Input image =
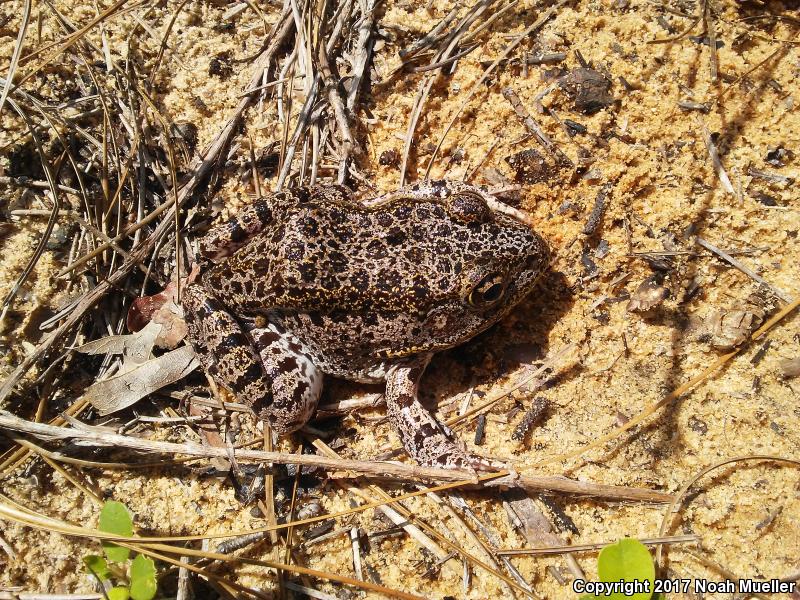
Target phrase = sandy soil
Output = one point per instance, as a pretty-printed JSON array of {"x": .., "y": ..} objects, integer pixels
[{"x": 663, "y": 190}]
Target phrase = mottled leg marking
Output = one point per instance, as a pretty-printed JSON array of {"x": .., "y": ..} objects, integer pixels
[
  {"x": 223, "y": 347},
  {"x": 296, "y": 382},
  {"x": 428, "y": 441}
]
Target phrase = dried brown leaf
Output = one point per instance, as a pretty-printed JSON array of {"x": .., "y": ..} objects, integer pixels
[{"x": 131, "y": 386}]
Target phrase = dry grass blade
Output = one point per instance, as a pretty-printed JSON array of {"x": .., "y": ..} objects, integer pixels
[
  {"x": 567, "y": 549},
  {"x": 12, "y": 68},
  {"x": 14, "y": 513},
  {"x": 549, "y": 14},
  {"x": 50, "y": 176},
  {"x": 450, "y": 44},
  {"x": 671, "y": 511},
  {"x": 140, "y": 252},
  {"x": 416, "y": 521},
  {"x": 71, "y": 41},
  {"x": 711, "y": 33},
  {"x": 163, "y": 46},
  {"x": 742, "y": 267}
]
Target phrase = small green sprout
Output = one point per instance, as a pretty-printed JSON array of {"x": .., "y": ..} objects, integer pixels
[
  {"x": 121, "y": 579},
  {"x": 627, "y": 560}
]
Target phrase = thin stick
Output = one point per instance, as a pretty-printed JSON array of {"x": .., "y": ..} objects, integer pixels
[
  {"x": 71, "y": 40},
  {"x": 712, "y": 40},
  {"x": 743, "y": 268},
  {"x": 567, "y": 549},
  {"x": 715, "y": 159},
  {"x": 376, "y": 468}
]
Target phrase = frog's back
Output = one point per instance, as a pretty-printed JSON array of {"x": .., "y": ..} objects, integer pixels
[{"x": 324, "y": 254}]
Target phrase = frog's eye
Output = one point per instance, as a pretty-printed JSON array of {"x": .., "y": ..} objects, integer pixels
[{"x": 489, "y": 290}]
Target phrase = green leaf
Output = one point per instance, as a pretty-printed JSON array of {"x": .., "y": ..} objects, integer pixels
[
  {"x": 629, "y": 560},
  {"x": 143, "y": 578},
  {"x": 97, "y": 566},
  {"x": 118, "y": 593},
  {"x": 115, "y": 518}
]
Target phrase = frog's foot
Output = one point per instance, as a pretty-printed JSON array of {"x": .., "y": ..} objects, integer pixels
[
  {"x": 425, "y": 439},
  {"x": 296, "y": 382}
]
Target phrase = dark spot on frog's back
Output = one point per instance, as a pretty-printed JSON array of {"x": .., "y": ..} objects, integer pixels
[
  {"x": 288, "y": 364},
  {"x": 302, "y": 195},
  {"x": 403, "y": 212},
  {"x": 299, "y": 390},
  {"x": 254, "y": 372},
  {"x": 343, "y": 234},
  {"x": 421, "y": 289},
  {"x": 415, "y": 255},
  {"x": 338, "y": 261},
  {"x": 308, "y": 272},
  {"x": 360, "y": 280},
  {"x": 388, "y": 282},
  {"x": 423, "y": 213},
  {"x": 232, "y": 340},
  {"x": 277, "y": 234},
  {"x": 376, "y": 249},
  {"x": 261, "y": 266},
  {"x": 309, "y": 226},
  {"x": 236, "y": 232},
  {"x": 384, "y": 219},
  {"x": 440, "y": 188},
  {"x": 263, "y": 212},
  {"x": 337, "y": 215},
  {"x": 329, "y": 283},
  {"x": 395, "y": 236},
  {"x": 443, "y": 247},
  {"x": 267, "y": 338},
  {"x": 295, "y": 250}
]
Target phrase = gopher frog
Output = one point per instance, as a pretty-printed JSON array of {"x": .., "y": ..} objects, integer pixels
[{"x": 307, "y": 282}]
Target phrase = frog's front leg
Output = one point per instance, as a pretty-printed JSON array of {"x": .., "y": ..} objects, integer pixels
[
  {"x": 428, "y": 441},
  {"x": 263, "y": 368}
]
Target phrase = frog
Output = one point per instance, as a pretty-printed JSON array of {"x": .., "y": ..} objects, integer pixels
[{"x": 309, "y": 282}]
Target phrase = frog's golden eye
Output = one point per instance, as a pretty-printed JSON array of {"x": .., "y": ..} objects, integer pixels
[{"x": 489, "y": 290}]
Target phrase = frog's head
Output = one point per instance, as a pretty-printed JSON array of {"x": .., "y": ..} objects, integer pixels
[{"x": 485, "y": 259}]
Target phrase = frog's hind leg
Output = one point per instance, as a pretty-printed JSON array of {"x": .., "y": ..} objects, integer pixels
[
  {"x": 296, "y": 382},
  {"x": 428, "y": 441},
  {"x": 224, "y": 348}
]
